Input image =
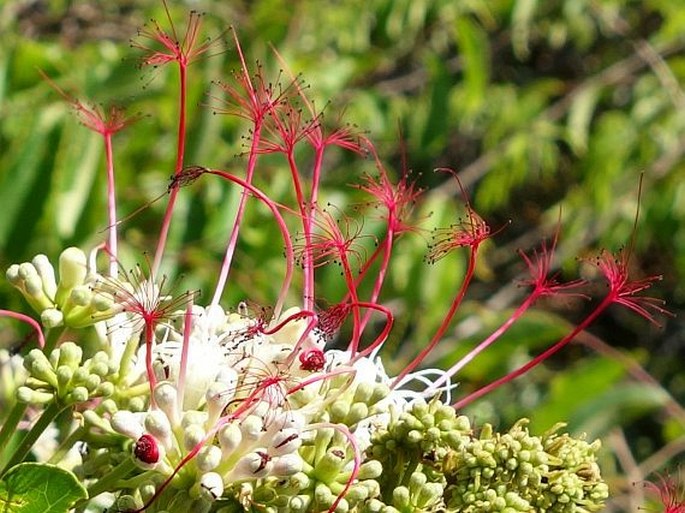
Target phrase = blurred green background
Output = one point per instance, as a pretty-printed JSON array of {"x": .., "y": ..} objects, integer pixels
[{"x": 540, "y": 106}]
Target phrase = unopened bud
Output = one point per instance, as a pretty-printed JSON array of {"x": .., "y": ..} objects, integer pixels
[
  {"x": 287, "y": 465},
  {"x": 212, "y": 485},
  {"x": 157, "y": 424},
  {"x": 127, "y": 423},
  {"x": 46, "y": 273},
  {"x": 208, "y": 458},
  {"x": 51, "y": 318}
]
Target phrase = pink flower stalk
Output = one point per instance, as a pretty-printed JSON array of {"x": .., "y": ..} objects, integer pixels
[
  {"x": 337, "y": 242},
  {"x": 670, "y": 493},
  {"x": 162, "y": 47},
  {"x": 470, "y": 232},
  {"x": 622, "y": 291},
  {"x": 397, "y": 201},
  {"x": 542, "y": 283},
  {"x": 105, "y": 122},
  {"x": 251, "y": 98},
  {"x": 28, "y": 320}
]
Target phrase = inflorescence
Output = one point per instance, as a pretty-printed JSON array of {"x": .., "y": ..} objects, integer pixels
[{"x": 195, "y": 408}]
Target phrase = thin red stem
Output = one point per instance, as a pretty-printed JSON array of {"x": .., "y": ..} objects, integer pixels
[
  {"x": 289, "y": 255},
  {"x": 235, "y": 230},
  {"x": 28, "y": 320},
  {"x": 446, "y": 321},
  {"x": 180, "y": 152},
  {"x": 608, "y": 300},
  {"x": 487, "y": 342},
  {"x": 383, "y": 336}
]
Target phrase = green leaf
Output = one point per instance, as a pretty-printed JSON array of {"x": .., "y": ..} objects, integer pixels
[{"x": 39, "y": 488}]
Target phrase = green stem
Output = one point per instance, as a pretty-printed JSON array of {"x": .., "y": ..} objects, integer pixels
[
  {"x": 67, "y": 444},
  {"x": 10, "y": 425},
  {"x": 106, "y": 483},
  {"x": 30, "y": 438},
  {"x": 52, "y": 339},
  {"x": 9, "y": 428}
]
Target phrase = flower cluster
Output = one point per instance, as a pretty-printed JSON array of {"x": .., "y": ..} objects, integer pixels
[{"x": 180, "y": 407}]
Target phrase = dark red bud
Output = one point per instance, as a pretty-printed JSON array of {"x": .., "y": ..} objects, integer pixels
[{"x": 146, "y": 449}]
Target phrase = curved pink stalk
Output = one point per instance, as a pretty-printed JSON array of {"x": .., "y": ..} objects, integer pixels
[
  {"x": 446, "y": 320},
  {"x": 28, "y": 320},
  {"x": 111, "y": 208},
  {"x": 178, "y": 168},
  {"x": 383, "y": 335},
  {"x": 543, "y": 283},
  {"x": 235, "y": 230},
  {"x": 356, "y": 456},
  {"x": 608, "y": 300},
  {"x": 622, "y": 291},
  {"x": 289, "y": 254}
]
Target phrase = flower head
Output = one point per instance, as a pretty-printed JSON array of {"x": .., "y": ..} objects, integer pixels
[
  {"x": 623, "y": 290},
  {"x": 670, "y": 493},
  {"x": 168, "y": 46}
]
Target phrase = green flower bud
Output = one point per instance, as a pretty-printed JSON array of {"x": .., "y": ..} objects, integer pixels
[
  {"x": 51, "y": 318},
  {"x": 46, "y": 273},
  {"x": 428, "y": 495},
  {"x": 300, "y": 503},
  {"x": 92, "y": 382},
  {"x": 70, "y": 354},
  {"x": 358, "y": 411},
  {"x": 77, "y": 395},
  {"x": 339, "y": 411},
  {"x": 102, "y": 303},
  {"x": 104, "y": 389},
  {"x": 370, "y": 470},
  {"x": 73, "y": 268},
  {"x": 29, "y": 396},
  {"x": 330, "y": 465},
  {"x": 136, "y": 404},
  {"x": 363, "y": 392},
  {"x": 40, "y": 368},
  {"x": 323, "y": 496},
  {"x": 64, "y": 375},
  {"x": 401, "y": 498},
  {"x": 81, "y": 295}
]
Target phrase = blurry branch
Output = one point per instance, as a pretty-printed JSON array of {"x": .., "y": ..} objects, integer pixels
[
  {"x": 633, "y": 473},
  {"x": 659, "y": 459}
]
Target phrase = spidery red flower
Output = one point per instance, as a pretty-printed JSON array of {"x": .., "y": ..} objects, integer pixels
[{"x": 671, "y": 493}]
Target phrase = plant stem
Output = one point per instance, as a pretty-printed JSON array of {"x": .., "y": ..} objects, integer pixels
[
  {"x": 107, "y": 482},
  {"x": 67, "y": 444},
  {"x": 18, "y": 410},
  {"x": 48, "y": 415},
  {"x": 111, "y": 207}
]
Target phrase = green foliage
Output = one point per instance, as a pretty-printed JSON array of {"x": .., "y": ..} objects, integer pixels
[{"x": 39, "y": 488}]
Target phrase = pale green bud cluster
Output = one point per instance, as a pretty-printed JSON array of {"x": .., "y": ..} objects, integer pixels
[
  {"x": 521, "y": 472},
  {"x": 64, "y": 376},
  {"x": 438, "y": 463},
  {"x": 71, "y": 301}
]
